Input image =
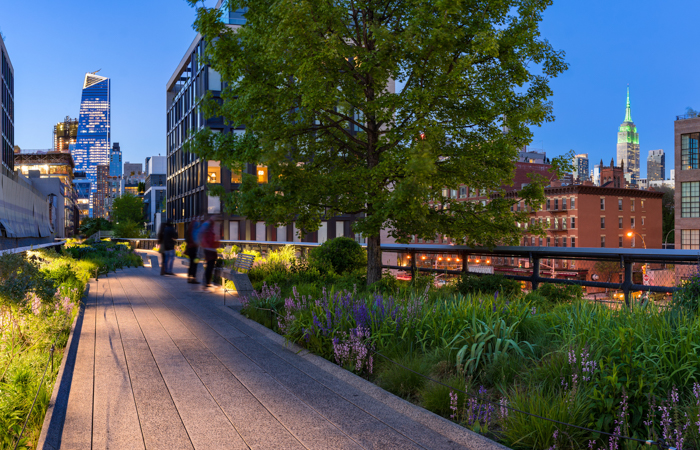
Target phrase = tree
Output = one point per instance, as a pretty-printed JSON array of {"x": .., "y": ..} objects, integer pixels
[
  {"x": 312, "y": 82},
  {"x": 141, "y": 187},
  {"x": 127, "y": 208},
  {"x": 90, "y": 226},
  {"x": 668, "y": 218}
]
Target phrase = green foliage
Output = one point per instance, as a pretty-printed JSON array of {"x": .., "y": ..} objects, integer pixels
[
  {"x": 90, "y": 226},
  {"x": 341, "y": 255},
  {"x": 488, "y": 284},
  {"x": 127, "y": 208},
  {"x": 21, "y": 276},
  {"x": 336, "y": 139},
  {"x": 688, "y": 297},
  {"x": 560, "y": 293},
  {"x": 400, "y": 381},
  {"x": 127, "y": 229}
]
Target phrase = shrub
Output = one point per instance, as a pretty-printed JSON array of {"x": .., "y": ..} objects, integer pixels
[
  {"x": 688, "y": 297},
  {"x": 341, "y": 254},
  {"x": 488, "y": 284},
  {"x": 402, "y": 382},
  {"x": 560, "y": 293}
]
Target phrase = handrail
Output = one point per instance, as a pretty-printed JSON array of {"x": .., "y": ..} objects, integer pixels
[{"x": 31, "y": 247}]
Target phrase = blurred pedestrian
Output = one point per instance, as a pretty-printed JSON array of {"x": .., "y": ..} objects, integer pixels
[
  {"x": 192, "y": 250},
  {"x": 166, "y": 240},
  {"x": 209, "y": 241}
]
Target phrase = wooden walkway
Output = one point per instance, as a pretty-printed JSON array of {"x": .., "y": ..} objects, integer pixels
[{"x": 157, "y": 364}]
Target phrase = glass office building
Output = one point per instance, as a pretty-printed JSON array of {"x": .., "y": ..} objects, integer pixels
[
  {"x": 93, "y": 146},
  {"x": 7, "y": 111}
]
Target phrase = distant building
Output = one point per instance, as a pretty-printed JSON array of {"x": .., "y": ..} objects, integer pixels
[
  {"x": 93, "y": 142},
  {"x": 628, "y": 144},
  {"x": 581, "y": 167},
  {"x": 101, "y": 208},
  {"x": 595, "y": 174},
  {"x": 145, "y": 165},
  {"x": 642, "y": 183},
  {"x": 656, "y": 165},
  {"x": 132, "y": 169},
  {"x": 687, "y": 181},
  {"x": 532, "y": 156},
  {"x": 7, "y": 112},
  {"x": 612, "y": 176},
  {"x": 82, "y": 187},
  {"x": 50, "y": 164},
  {"x": 65, "y": 134},
  {"x": 115, "y": 161}
]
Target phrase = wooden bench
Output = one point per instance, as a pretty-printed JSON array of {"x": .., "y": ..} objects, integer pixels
[{"x": 240, "y": 279}]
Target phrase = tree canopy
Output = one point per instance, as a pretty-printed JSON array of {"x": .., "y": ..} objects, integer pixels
[
  {"x": 372, "y": 108},
  {"x": 127, "y": 208}
]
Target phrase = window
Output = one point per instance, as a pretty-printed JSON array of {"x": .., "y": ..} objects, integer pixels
[
  {"x": 541, "y": 242},
  {"x": 619, "y": 204},
  {"x": 619, "y": 222},
  {"x": 643, "y": 221},
  {"x": 632, "y": 222},
  {"x": 548, "y": 241},
  {"x": 632, "y": 205},
  {"x": 573, "y": 222},
  {"x": 235, "y": 176},
  {"x": 563, "y": 242},
  {"x": 563, "y": 203},
  {"x": 643, "y": 202},
  {"x": 602, "y": 241},
  {"x": 573, "y": 241},
  {"x": 563, "y": 223},
  {"x": 690, "y": 199},
  {"x": 689, "y": 151},
  {"x": 213, "y": 172},
  {"x": 262, "y": 174},
  {"x": 602, "y": 222},
  {"x": 532, "y": 241},
  {"x": 573, "y": 204},
  {"x": 446, "y": 193},
  {"x": 453, "y": 194},
  {"x": 690, "y": 239},
  {"x": 556, "y": 223},
  {"x": 462, "y": 191},
  {"x": 214, "y": 80},
  {"x": 620, "y": 242},
  {"x": 602, "y": 204},
  {"x": 556, "y": 242},
  {"x": 556, "y": 204},
  {"x": 548, "y": 204}
]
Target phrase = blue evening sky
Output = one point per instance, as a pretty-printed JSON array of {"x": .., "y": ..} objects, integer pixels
[{"x": 647, "y": 43}]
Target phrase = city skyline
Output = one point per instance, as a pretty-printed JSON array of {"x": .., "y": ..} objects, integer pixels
[{"x": 591, "y": 93}]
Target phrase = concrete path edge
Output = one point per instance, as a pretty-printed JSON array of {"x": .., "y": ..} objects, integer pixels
[
  {"x": 421, "y": 415},
  {"x": 52, "y": 427}
]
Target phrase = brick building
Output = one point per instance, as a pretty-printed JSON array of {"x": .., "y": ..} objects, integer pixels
[{"x": 687, "y": 171}]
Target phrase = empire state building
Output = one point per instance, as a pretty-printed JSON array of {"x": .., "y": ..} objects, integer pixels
[{"x": 628, "y": 144}]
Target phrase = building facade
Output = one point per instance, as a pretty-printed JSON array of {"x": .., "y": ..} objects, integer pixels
[
  {"x": 581, "y": 167},
  {"x": 7, "y": 111},
  {"x": 628, "y": 144},
  {"x": 49, "y": 164},
  {"x": 131, "y": 169},
  {"x": 687, "y": 182},
  {"x": 656, "y": 165},
  {"x": 115, "y": 161},
  {"x": 65, "y": 134},
  {"x": 93, "y": 142}
]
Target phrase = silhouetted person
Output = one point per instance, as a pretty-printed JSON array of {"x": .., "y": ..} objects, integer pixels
[
  {"x": 192, "y": 250},
  {"x": 166, "y": 239},
  {"x": 209, "y": 241}
]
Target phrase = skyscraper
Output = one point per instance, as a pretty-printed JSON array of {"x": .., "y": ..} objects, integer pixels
[
  {"x": 7, "y": 111},
  {"x": 628, "y": 144},
  {"x": 115, "y": 161},
  {"x": 581, "y": 167},
  {"x": 65, "y": 134},
  {"x": 656, "y": 165},
  {"x": 93, "y": 142}
]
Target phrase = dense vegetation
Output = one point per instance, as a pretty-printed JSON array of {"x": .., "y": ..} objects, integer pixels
[
  {"x": 632, "y": 372},
  {"x": 40, "y": 294}
]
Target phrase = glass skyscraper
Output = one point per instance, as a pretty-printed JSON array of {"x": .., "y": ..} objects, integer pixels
[{"x": 93, "y": 143}]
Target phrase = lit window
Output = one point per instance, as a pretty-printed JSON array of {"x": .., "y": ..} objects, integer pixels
[
  {"x": 689, "y": 151},
  {"x": 690, "y": 199},
  {"x": 262, "y": 174},
  {"x": 213, "y": 172},
  {"x": 690, "y": 239}
]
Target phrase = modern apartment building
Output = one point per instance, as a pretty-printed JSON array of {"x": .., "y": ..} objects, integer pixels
[
  {"x": 687, "y": 174},
  {"x": 65, "y": 134},
  {"x": 93, "y": 142},
  {"x": 628, "y": 145},
  {"x": 656, "y": 165},
  {"x": 581, "y": 167},
  {"x": 7, "y": 112}
]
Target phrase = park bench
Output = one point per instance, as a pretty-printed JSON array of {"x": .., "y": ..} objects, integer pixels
[{"x": 240, "y": 279}]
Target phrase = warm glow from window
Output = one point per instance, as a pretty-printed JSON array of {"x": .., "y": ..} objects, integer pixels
[
  {"x": 262, "y": 174},
  {"x": 213, "y": 172}
]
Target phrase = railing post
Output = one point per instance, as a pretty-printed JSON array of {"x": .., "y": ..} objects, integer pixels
[
  {"x": 464, "y": 256},
  {"x": 627, "y": 281},
  {"x": 413, "y": 265},
  {"x": 535, "y": 272}
]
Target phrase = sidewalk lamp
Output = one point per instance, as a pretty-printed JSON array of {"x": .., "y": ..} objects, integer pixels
[
  {"x": 666, "y": 238},
  {"x": 632, "y": 233}
]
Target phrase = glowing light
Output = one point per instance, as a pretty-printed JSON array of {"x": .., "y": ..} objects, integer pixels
[
  {"x": 408, "y": 257},
  {"x": 457, "y": 259},
  {"x": 488, "y": 261},
  {"x": 477, "y": 261},
  {"x": 422, "y": 257},
  {"x": 449, "y": 259},
  {"x": 629, "y": 234},
  {"x": 440, "y": 258}
]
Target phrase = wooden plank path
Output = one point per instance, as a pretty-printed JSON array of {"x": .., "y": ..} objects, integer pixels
[{"x": 156, "y": 363}]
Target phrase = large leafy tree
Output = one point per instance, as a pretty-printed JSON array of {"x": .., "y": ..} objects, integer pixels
[
  {"x": 127, "y": 208},
  {"x": 313, "y": 83}
]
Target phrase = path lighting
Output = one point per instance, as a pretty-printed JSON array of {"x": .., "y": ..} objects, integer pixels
[
  {"x": 449, "y": 259},
  {"x": 477, "y": 261},
  {"x": 488, "y": 261},
  {"x": 408, "y": 257},
  {"x": 422, "y": 257},
  {"x": 457, "y": 260},
  {"x": 440, "y": 258}
]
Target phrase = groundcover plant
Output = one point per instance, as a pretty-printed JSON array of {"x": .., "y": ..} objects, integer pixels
[
  {"x": 40, "y": 295},
  {"x": 631, "y": 372}
]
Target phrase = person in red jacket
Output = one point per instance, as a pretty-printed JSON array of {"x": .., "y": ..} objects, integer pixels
[{"x": 209, "y": 241}]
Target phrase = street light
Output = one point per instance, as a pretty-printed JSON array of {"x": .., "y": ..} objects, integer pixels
[
  {"x": 666, "y": 238},
  {"x": 632, "y": 233}
]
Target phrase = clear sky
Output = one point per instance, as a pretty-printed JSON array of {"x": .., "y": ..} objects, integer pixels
[{"x": 649, "y": 44}]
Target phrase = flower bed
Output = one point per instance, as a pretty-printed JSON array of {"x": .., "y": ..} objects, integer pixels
[
  {"x": 630, "y": 372},
  {"x": 40, "y": 295}
]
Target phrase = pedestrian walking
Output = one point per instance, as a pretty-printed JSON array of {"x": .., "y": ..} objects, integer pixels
[
  {"x": 192, "y": 250},
  {"x": 166, "y": 240},
  {"x": 209, "y": 241}
]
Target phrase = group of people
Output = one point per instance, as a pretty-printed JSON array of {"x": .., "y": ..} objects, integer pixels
[{"x": 202, "y": 243}]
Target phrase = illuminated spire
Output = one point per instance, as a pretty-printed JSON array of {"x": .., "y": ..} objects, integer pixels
[{"x": 628, "y": 114}]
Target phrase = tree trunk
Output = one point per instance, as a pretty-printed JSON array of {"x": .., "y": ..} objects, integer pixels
[{"x": 374, "y": 259}]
